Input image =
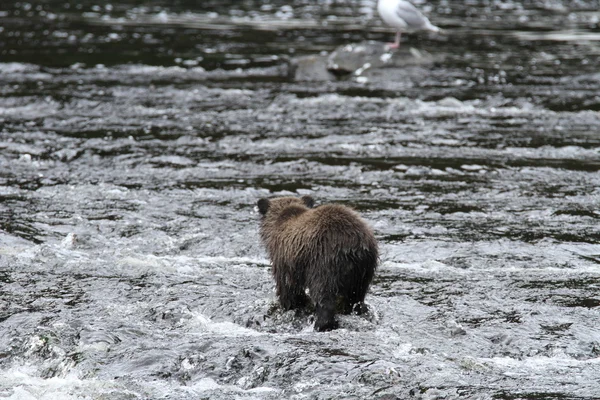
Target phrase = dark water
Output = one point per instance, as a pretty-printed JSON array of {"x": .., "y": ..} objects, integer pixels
[{"x": 135, "y": 140}]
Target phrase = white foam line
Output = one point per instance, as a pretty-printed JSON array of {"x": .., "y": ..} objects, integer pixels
[
  {"x": 436, "y": 266},
  {"x": 238, "y": 260},
  {"x": 226, "y": 328},
  {"x": 427, "y": 266},
  {"x": 207, "y": 384},
  {"x": 559, "y": 36},
  {"x": 537, "y": 362},
  {"x": 26, "y": 386},
  {"x": 160, "y": 261}
]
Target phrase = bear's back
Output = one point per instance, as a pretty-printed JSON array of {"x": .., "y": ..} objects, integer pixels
[
  {"x": 330, "y": 228},
  {"x": 300, "y": 234}
]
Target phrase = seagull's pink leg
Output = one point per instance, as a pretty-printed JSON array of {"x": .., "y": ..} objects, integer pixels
[{"x": 396, "y": 44}]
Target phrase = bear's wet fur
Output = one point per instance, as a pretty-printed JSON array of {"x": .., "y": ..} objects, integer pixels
[{"x": 328, "y": 249}]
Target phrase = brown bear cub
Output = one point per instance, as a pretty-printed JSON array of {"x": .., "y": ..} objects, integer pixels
[{"x": 328, "y": 249}]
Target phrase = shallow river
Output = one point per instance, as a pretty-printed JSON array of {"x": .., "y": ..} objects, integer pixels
[{"x": 135, "y": 142}]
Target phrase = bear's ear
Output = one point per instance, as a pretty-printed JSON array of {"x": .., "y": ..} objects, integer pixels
[
  {"x": 263, "y": 206},
  {"x": 309, "y": 201}
]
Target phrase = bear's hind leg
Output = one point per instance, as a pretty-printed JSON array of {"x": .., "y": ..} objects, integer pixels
[
  {"x": 291, "y": 292},
  {"x": 351, "y": 305},
  {"x": 358, "y": 281},
  {"x": 325, "y": 314},
  {"x": 291, "y": 300},
  {"x": 354, "y": 302}
]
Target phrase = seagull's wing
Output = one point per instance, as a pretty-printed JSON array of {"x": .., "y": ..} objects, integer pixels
[{"x": 411, "y": 15}]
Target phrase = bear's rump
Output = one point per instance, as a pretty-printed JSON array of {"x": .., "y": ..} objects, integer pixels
[{"x": 340, "y": 273}]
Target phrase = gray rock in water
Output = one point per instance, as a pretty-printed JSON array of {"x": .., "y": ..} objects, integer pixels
[
  {"x": 355, "y": 59},
  {"x": 310, "y": 68},
  {"x": 360, "y": 57},
  {"x": 412, "y": 57}
]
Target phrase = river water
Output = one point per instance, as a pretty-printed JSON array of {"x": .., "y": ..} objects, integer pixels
[{"x": 136, "y": 140}]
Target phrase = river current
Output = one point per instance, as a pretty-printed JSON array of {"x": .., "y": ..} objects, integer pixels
[{"x": 135, "y": 141}]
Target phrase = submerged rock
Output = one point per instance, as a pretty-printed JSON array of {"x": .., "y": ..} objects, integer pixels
[
  {"x": 355, "y": 59},
  {"x": 358, "y": 57},
  {"x": 310, "y": 68}
]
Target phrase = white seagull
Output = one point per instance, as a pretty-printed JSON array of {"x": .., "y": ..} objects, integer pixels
[{"x": 404, "y": 17}]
